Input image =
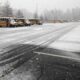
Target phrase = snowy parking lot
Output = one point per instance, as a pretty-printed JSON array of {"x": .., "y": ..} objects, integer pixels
[
  {"x": 22, "y": 35},
  {"x": 18, "y": 44}
]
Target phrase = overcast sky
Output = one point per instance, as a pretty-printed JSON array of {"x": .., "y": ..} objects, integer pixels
[{"x": 42, "y": 5}]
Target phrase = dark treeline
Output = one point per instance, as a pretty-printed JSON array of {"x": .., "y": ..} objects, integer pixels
[{"x": 68, "y": 15}]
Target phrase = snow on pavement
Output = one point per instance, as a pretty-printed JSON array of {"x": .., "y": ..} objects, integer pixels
[
  {"x": 69, "y": 42},
  {"x": 19, "y": 35},
  {"x": 24, "y": 32}
]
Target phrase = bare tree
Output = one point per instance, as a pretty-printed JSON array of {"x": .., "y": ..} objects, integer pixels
[
  {"x": 36, "y": 15},
  {"x": 19, "y": 14},
  {"x": 69, "y": 15},
  {"x": 7, "y": 10},
  {"x": 0, "y": 10}
]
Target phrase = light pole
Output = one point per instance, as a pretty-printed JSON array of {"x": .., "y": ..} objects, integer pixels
[{"x": 36, "y": 10}]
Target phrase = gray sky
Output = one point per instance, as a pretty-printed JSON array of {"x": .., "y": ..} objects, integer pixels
[{"x": 30, "y": 5}]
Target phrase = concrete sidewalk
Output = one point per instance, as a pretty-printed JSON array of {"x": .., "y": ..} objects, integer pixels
[{"x": 69, "y": 42}]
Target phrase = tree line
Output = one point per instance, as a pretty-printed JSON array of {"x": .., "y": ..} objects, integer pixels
[
  {"x": 7, "y": 11},
  {"x": 68, "y": 15}
]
